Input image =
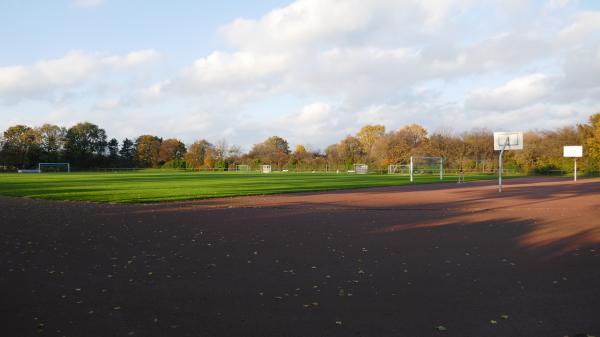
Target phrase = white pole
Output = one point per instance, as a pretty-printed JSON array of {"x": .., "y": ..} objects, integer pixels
[
  {"x": 500, "y": 165},
  {"x": 441, "y": 168},
  {"x": 500, "y": 172},
  {"x": 411, "y": 169},
  {"x": 575, "y": 170}
]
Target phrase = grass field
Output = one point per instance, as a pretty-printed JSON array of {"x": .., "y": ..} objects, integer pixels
[{"x": 156, "y": 186}]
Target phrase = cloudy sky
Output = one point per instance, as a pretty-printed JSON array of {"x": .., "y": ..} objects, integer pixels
[{"x": 311, "y": 71}]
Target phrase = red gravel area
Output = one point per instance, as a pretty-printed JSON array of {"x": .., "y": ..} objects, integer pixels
[{"x": 426, "y": 260}]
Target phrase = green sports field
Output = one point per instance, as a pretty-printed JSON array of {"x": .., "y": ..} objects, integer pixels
[{"x": 160, "y": 185}]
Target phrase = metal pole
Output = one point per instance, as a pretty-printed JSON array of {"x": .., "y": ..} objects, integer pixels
[
  {"x": 441, "y": 168},
  {"x": 411, "y": 169},
  {"x": 575, "y": 170},
  {"x": 500, "y": 169}
]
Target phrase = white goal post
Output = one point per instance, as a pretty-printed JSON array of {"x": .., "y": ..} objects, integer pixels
[
  {"x": 265, "y": 169},
  {"x": 426, "y": 165},
  {"x": 361, "y": 168},
  {"x": 398, "y": 168},
  {"x": 56, "y": 167},
  {"x": 244, "y": 168}
]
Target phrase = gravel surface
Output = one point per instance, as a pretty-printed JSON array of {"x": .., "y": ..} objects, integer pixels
[{"x": 427, "y": 260}]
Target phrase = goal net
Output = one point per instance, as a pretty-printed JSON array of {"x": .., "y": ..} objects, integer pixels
[
  {"x": 54, "y": 167},
  {"x": 361, "y": 168},
  {"x": 426, "y": 166},
  {"x": 243, "y": 168},
  {"x": 398, "y": 169},
  {"x": 265, "y": 169}
]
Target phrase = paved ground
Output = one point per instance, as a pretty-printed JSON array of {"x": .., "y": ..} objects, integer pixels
[{"x": 427, "y": 260}]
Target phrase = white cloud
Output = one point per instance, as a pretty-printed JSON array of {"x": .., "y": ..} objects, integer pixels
[
  {"x": 337, "y": 65},
  {"x": 222, "y": 71},
  {"x": 132, "y": 59},
  {"x": 586, "y": 26},
  {"x": 557, "y": 4},
  {"x": 21, "y": 81},
  {"x": 86, "y": 3},
  {"x": 515, "y": 94},
  {"x": 74, "y": 71}
]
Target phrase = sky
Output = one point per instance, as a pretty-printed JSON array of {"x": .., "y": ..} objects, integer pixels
[{"x": 310, "y": 71}]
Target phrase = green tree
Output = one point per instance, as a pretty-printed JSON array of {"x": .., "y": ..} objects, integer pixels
[
  {"x": 85, "y": 145},
  {"x": 127, "y": 153},
  {"x": 52, "y": 142},
  {"x": 113, "y": 152}
]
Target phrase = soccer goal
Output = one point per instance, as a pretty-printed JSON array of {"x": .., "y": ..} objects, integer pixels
[
  {"x": 398, "y": 169},
  {"x": 265, "y": 169},
  {"x": 426, "y": 165},
  {"x": 243, "y": 168},
  {"x": 54, "y": 167},
  {"x": 361, "y": 168}
]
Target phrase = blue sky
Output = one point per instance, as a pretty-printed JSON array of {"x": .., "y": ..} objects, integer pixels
[{"x": 311, "y": 71}]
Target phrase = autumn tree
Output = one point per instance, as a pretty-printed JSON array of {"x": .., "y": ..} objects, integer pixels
[
  {"x": 592, "y": 141},
  {"x": 147, "y": 151},
  {"x": 200, "y": 154},
  {"x": 274, "y": 150},
  {"x": 20, "y": 146},
  {"x": 479, "y": 147},
  {"x": 221, "y": 152},
  {"x": 368, "y": 135},
  {"x": 300, "y": 157},
  {"x": 351, "y": 151},
  {"x": 445, "y": 144},
  {"x": 277, "y": 143},
  {"x": 171, "y": 150}
]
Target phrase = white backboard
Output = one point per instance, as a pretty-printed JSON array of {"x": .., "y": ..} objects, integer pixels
[
  {"x": 513, "y": 140},
  {"x": 573, "y": 151}
]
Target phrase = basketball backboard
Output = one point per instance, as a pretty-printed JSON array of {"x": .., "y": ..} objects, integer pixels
[
  {"x": 512, "y": 140},
  {"x": 573, "y": 151}
]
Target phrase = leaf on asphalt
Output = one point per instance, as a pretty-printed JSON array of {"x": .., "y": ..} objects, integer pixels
[{"x": 441, "y": 328}]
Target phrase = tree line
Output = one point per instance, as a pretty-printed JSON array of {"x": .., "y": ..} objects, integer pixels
[{"x": 86, "y": 145}]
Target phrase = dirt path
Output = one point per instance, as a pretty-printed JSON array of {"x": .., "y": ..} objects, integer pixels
[{"x": 397, "y": 261}]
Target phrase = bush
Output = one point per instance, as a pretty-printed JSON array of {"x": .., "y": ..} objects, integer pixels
[
  {"x": 549, "y": 169},
  {"x": 175, "y": 164}
]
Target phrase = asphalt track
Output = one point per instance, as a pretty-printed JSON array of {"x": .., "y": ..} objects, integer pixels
[{"x": 426, "y": 260}]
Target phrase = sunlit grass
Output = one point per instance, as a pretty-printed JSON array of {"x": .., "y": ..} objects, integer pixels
[{"x": 160, "y": 185}]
